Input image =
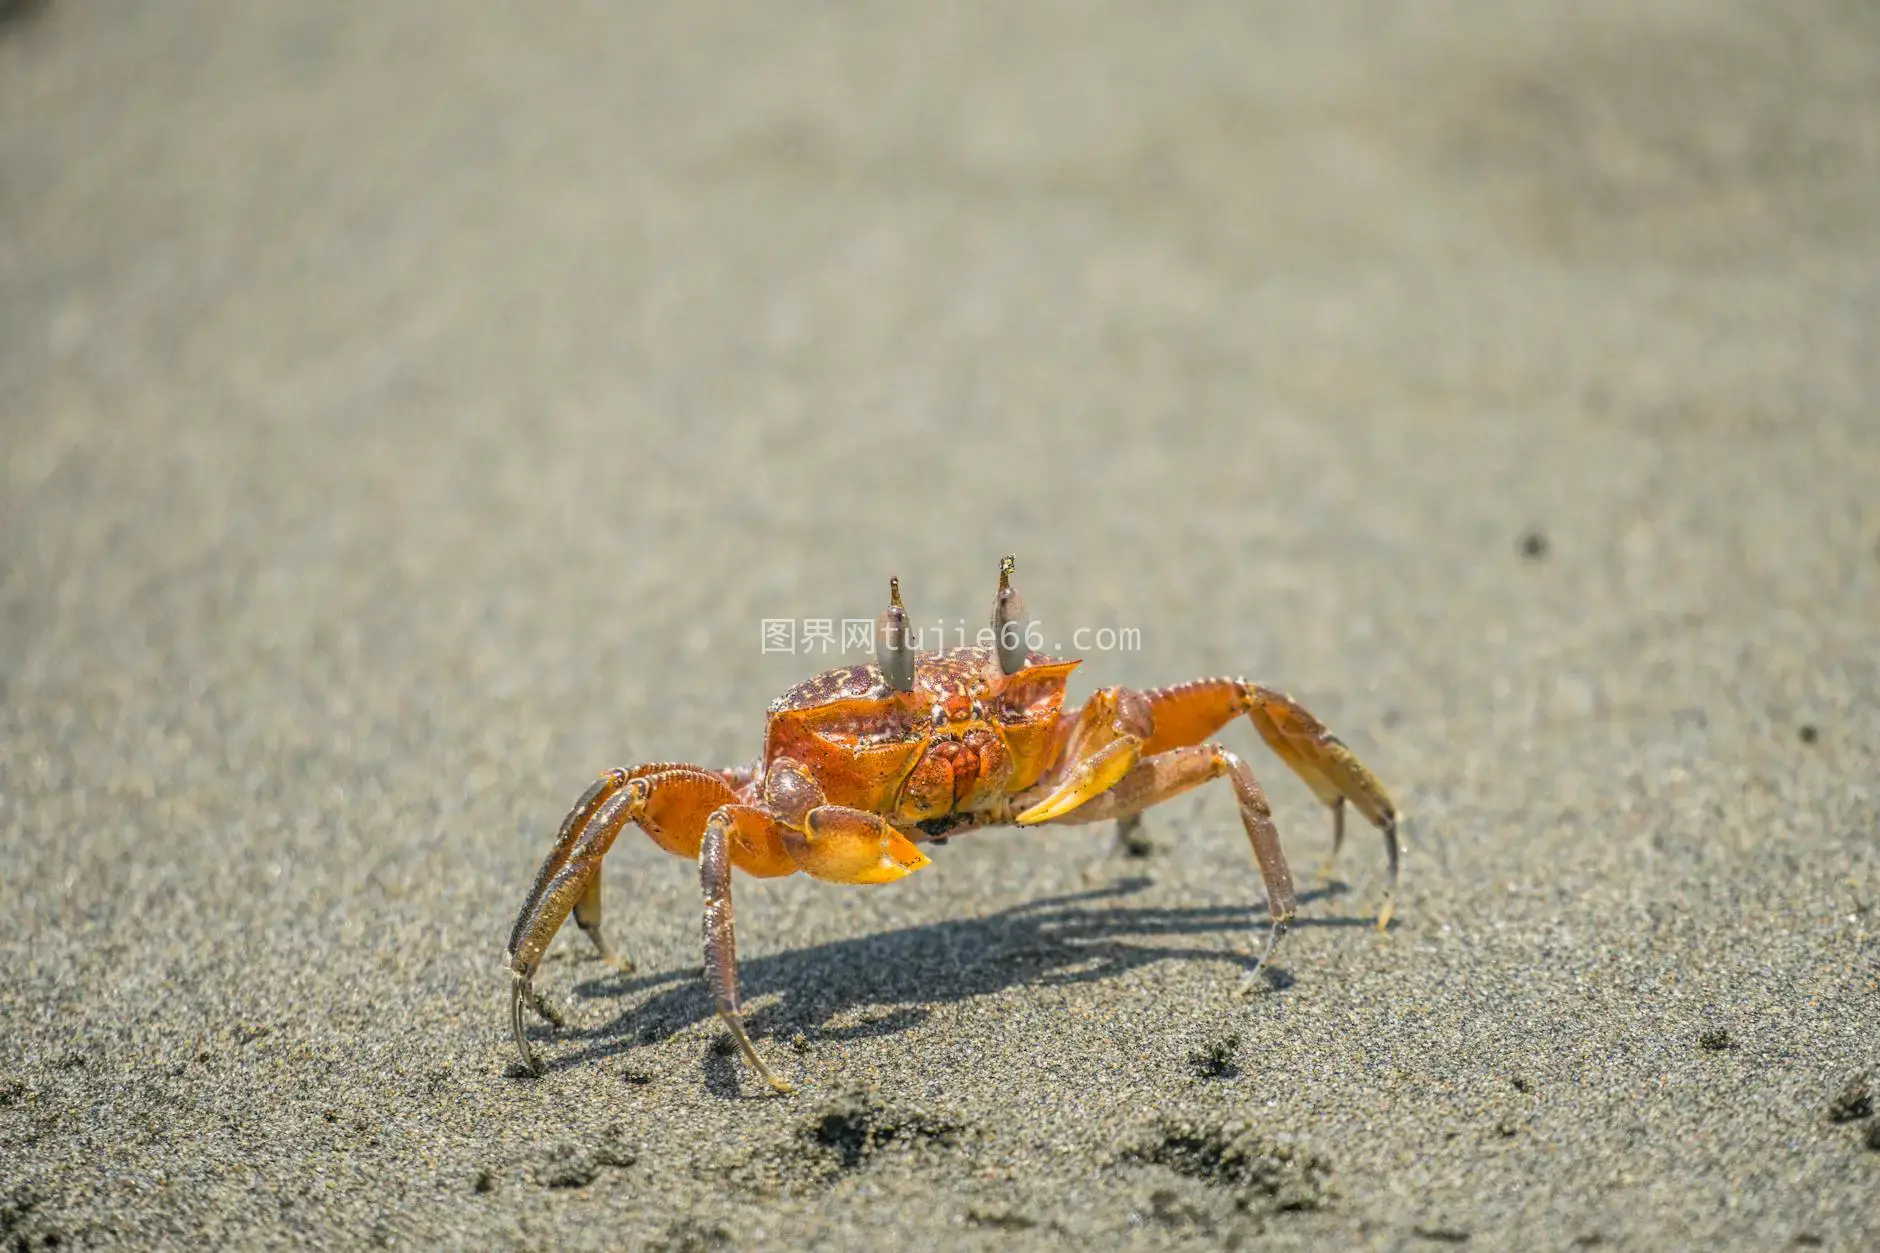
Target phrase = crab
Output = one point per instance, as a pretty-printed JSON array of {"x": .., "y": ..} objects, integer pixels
[{"x": 864, "y": 765}]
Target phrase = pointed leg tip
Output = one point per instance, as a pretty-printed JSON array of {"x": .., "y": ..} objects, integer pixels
[
  {"x": 1257, "y": 977},
  {"x": 518, "y": 993},
  {"x": 734, "y": 1024},
  {"x": 778, "y": 1085},
  {"x": 1263, "y": 978}
]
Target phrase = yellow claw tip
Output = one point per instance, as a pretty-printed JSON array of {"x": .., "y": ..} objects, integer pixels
[
  {"x": 1043, "y": 811},
  {"x": 894, "y": 868},
  {"x": 891, "y": 868}
]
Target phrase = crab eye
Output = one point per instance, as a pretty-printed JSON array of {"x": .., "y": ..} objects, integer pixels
[
  {"x": 1009, "y": 621},
  {"x": 893, "y": 649}
]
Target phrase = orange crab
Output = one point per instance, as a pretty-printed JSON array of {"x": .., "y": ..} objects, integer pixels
[{"x": 863, "y": 764}]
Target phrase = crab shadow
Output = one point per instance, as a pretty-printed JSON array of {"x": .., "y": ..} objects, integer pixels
[{"x": 898, "y": 976}]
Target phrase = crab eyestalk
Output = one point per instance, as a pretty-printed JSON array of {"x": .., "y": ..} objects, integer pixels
[
  {"x": 1009, "y": 620},
  {"x": 893, "y": 649}
]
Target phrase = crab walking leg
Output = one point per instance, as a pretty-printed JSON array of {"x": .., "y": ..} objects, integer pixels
[
  {"x": 1330, "y": 864},
  {"x": 1191, "y": 712},
  {"x": 1167, "y": 775},
  {"x": 598, "y": 793},
  {"x": 1304, "y": 743},
  {"x": 587, "y": 916},
  {"x": 549, "y": 904},
  {"x": 574, "y": 826},
  {"x": 670, "y": 802},
  {"x": 721, "y": 945}
]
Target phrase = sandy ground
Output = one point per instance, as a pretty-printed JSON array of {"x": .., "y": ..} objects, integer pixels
[{"x": 409, "y": 410}]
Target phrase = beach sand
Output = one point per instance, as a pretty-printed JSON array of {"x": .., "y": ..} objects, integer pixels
[{"x": 408, "y": 411}]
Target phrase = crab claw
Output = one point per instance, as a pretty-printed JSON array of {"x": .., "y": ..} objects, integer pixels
[
  {"x": 844, "y": 845},
  {"x": 1093, "y": 776}
]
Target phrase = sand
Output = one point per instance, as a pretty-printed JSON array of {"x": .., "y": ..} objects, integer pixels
[{"x": 407, "y": 411}]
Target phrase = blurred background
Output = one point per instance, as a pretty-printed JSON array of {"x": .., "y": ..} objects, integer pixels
[{"x": 407, "y": 410}]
